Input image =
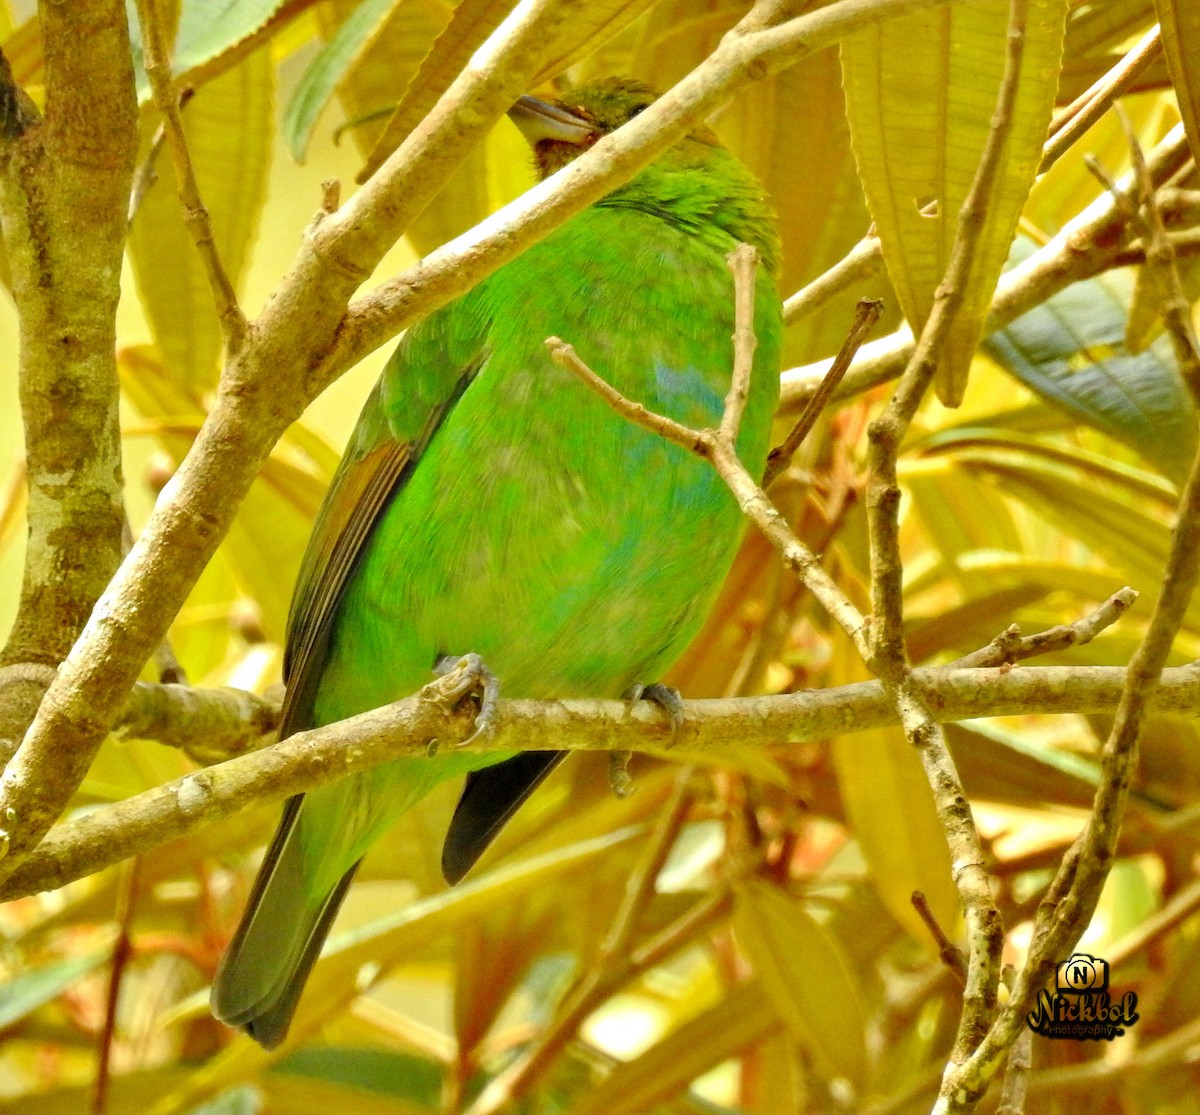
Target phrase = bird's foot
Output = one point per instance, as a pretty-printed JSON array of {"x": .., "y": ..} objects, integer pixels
[
  {"x": 458, "y": 677},
  {"x": 619, "y": 777},
  {"x": 667, "y": 699}
]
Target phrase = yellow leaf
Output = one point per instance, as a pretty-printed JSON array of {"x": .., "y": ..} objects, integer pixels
[
  {"x": 229, "y": 124},
  {"x": 920, "y": 92},
  {"x": 890, "y": 807},
  {"x": 1180, "y": 22},
  {"x": 806, "y": 975}
]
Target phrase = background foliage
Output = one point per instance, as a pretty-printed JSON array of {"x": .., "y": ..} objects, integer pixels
[{"x": 792, "y": 972}]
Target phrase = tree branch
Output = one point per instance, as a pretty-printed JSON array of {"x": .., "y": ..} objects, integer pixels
[
  {"x": 157, "y": 58},
  {"x": 100, "y": 837},
  {"x": 1068, "y": 905},
  {"x": 64, "y": 187}
]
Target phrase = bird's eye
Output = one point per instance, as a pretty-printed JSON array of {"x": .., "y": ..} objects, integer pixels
[{"x": 637, "y": 109}]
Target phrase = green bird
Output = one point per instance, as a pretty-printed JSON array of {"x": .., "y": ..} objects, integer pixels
[{"x": 489, "y": 504}]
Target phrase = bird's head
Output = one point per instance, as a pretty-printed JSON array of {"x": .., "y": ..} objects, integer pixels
[{"x": 696, "y": 184}]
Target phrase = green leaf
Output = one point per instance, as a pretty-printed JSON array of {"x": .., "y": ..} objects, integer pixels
[
  {"x": 1071, "y": 350},
  {"x": 920, "y": 92},
  {"x": 400, "y": 1075},
  {"x": 806, "y": 975},
  {"x": 237, "y": 1101},
  {"x": 23, "y": 994},
  {"x": 208, "y": 28},
  {"x": 335, "y": 58}
]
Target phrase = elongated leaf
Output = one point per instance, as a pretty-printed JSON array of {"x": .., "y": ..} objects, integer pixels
[
  {"x": 1180, "y": 22},
  {"x": 267, "y": 539},
  {"x": 23, "y": 994},
  {"x": 402, "y": 1076},
  {"x": 806, "y": 976},
  {"x": 228, "y": 124},
  {"x": 335, "y": 58},
  {"x": 472, "y": 22},
  {"x": 1071, "y": 351},
  {"x": 1106, "y": 514},
  {"x": 792, "y": 132},
  {"x": 208, "y": 28},
  {"x": 920, "y": 92},
  {"x": 1001, "y": 765},
  {"x": 891, "y": 811}
]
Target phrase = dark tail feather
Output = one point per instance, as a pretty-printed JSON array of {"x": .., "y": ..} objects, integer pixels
[
  {"x": 264, "y": 969},
  {"x": 490, "y": 797}
]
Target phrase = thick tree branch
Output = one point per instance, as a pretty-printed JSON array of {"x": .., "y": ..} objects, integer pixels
[
  {"x": 139, "y": 824},
  {"x": 64, "y": 187}
]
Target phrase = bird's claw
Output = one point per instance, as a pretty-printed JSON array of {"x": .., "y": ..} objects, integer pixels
[
  {"x": 667, "y": 699},
  {"x": 619, "y": 777},
  {"x": 458, "y": 676}
]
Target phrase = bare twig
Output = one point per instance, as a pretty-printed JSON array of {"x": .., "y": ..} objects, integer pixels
[
  {"x": 863, "y": 261},
  {"x": 170, "y": 672},
  {"x": 121, "y": 955},
  {"x": 865, "y": 315},
  {"x": 156, "y": 55},
  {"x": 1016, "y": 1075},
  {"x": 147, "y": 174},
  {"x": 948, "y": 952},
  {"x": 1011, "y": 646},
  {"x": 743, "y": 262},
  {"x": 1079, "y": 116}
]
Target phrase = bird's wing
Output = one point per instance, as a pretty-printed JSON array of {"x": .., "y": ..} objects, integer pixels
[{"x": 376, "y": 465}]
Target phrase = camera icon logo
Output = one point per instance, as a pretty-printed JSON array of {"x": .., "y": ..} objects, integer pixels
[{"x": 1082, "y": 972}]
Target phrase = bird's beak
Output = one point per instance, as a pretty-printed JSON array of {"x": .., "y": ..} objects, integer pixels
[{"x": 540, "y": 121}]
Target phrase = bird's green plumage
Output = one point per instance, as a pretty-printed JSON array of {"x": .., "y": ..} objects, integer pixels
[{"x": 489, "y": 503}]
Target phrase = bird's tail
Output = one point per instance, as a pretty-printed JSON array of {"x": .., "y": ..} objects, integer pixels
[{"x": 266, "y": 965}]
